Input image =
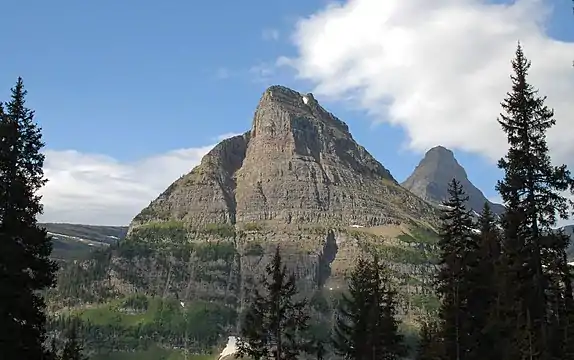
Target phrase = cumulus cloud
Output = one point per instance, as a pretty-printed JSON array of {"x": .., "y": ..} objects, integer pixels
[
  {"x": 100, "y": 190},
  {"x": 439, "y": 69}
]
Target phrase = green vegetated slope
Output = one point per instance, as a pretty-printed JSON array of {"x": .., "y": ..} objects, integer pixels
[{"x": 128, "y": 295}]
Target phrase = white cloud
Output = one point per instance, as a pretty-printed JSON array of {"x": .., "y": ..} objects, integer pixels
[
  {"x": 100, "y": 190},
  {"x": 270, "y": 34},
  {"x": 437, "y": 68}
]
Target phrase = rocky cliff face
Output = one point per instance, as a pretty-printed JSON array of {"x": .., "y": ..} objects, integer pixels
[
  {"x": 430, "y": 180},
  {"x": 297, "y": 164}
]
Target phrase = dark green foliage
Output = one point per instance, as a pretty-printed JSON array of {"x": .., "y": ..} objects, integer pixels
[
  {"x": 222, "y": 230},
  {"x": 148, "y": 266},
  {"x": 253, "y": 249},
  {"x": 274, "y": 320},
  {"x": 458, "y": 249},
  {"x": 72, "y": 348},
  {"x": 161, "y": 232},
  {"x": 536, "y": 278},
  {"x": 429, "y": 342},
  {"x": 366, "y": 326},
  {"x": 165, "y": 323},
  {"x": 319, "y": 303},
  {"x": 484, "y": 301},
  {"x": 137, "y": 302},
  {"x": 25, "y": 248}
]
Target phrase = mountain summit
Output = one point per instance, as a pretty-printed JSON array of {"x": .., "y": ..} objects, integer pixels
[
  {"x": 298, "y": 163},
  {"x": 430, "y": 180}
]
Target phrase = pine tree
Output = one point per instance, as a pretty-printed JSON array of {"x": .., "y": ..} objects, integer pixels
[
  {"x": 274, "y": 320},
  {"x": 25, "y": 268},
  {"x": 531, "y": 190},
  {"x": 454, "y": 286},
  {"x": 367, "y": 327}
]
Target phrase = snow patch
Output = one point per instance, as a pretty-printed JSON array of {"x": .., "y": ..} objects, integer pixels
[
  {"x": 230, "y": 348},
  {"x": 305, "y": 100}
]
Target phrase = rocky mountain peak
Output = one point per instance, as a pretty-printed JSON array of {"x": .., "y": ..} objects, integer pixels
[
  {"x": 298, "y": 163},
  {"x": 278, "y": 100},
  {"x": 438, "y": 167}
]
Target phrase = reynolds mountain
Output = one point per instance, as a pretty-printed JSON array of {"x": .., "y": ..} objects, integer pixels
[
  {"x": 298, "y": 180},
  {"x": 430, "y": 180},
  {"x": 298, "y": 164}
]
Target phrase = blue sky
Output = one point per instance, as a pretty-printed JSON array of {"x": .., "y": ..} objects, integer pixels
[{"x": 129, "y": 80}]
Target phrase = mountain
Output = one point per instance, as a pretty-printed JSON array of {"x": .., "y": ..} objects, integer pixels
[
  {"x": 76, "y": 241},
  {"x": 298, "y": 180},
  {"x": 298, "y": 164},
  {"x": 430, "y": 180}
]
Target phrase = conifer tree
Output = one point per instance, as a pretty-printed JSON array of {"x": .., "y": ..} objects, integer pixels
[
  {"x": 531, "y": 191},
  {"x": 25, "y": 268},
  {"x": 484, "y": 302},
  {"x": 457, "y": 263},
  {"x": 351, "y": 332},
  {"x": 53, "y": 352},
  {"x": 388, "y": 342},
  {"x": 274, "y": 320},
  {"x": 72, "y": 348},
  {"x": 429, "y": 342},
  {"x": 366, "y": 326}
]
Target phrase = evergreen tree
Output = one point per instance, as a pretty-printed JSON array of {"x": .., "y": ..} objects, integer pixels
[
  {"x": 72, "y": 348},
  {"x": 367, "y": 327},
  {"x": 388, "y": 342},
  {"x": 484, "y": 302},
  {"x": 351, "y": 332},
  {"x": 458, "y": 250},
  {"x": 25, "y": 268},
  {"x": 274, "y": 320},
  {"x": 52, "y": 353},
  {"x": 531, "y": 191},
  {"x": 429, "y": 342}
]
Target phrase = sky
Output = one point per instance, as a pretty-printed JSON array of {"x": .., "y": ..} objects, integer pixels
[{"x": 131, "y": 94}]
